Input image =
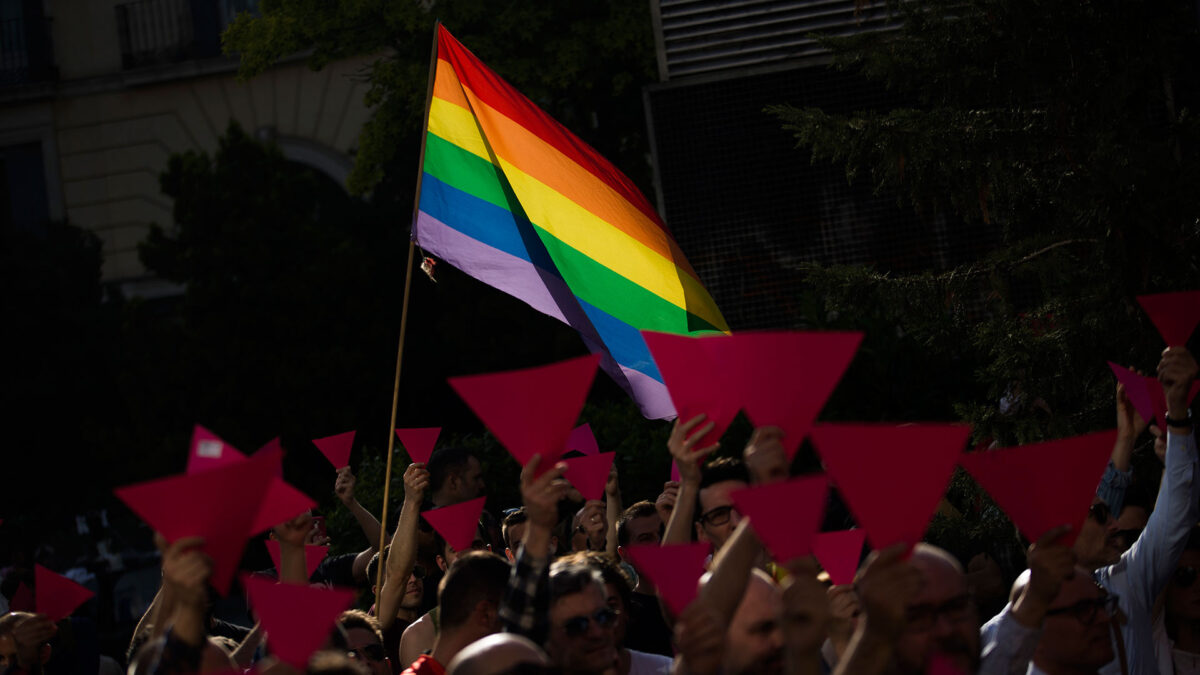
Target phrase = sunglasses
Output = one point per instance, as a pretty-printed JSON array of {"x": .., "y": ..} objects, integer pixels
[
  {"x": 578, "y": 625},
  {"x": 368, "y": 652},
  {"x": 1100, "y": 513},
  {"x": 1185, "y": 576},
  {"x": 418, "y": 572}
]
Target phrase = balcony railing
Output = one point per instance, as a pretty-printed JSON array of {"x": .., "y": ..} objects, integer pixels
[
  {"x": 166, "y": 31},
  {"x": 25, "y": 52}
]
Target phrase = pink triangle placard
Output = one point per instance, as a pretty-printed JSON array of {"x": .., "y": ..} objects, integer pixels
[
  {"x": 583, "y": 440},
  {"x": 691, "y": 369},
  {"x": 219, "y": 505},
  {"x": 457, "y": 523},
  {"x": 1175, "y": 315},
  {"x": 839, "y": 553},
  {"x": 297, "y": 618},
  {"x": 313, "y": 555},
  {"x": 209, "y": 451},
  {"x": 675, "y": 475},
  {"x": 675, "y": 571},
  {"x": 891, "y": 477},
  {"x": 785, "y": 515},
  {"x": 1044, "y": 485},
  {"x": 419, "y": 442},
  {"x": 336, "y": 448},
  {"x": 531, "y": 411},
  {"x": 281, "y": 502},
  {"x": 1137, "y": 389},
  {"x": 22, "y": 600},
  {"x": 785, "y": 377},
  {"x": 57, "y": 596},
  {"x": 589, "y": 473}
]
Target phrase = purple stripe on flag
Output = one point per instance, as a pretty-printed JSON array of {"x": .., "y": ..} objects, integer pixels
[
  {"x": 650, "y": 394},
  {"x": 545, "y": 292},
  {"x": 519, "y": 278}
]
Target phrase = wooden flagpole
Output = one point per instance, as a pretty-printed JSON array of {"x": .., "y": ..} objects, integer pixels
[{"x": 387, "y": 475}]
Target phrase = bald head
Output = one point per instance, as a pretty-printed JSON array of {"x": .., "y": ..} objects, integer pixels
[
  {"x": 496, "y": 653},
  {"x": 943, "y": 620}
]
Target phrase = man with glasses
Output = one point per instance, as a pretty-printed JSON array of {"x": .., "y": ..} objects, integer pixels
[
  {"x": 1076, "y": 629},
  {"x": 717, "y": 516},
  {"x": 580, "y": 633},
  {"x": 562, "y": 607},
  {"x": 1142, "y": 572},
  {"x": 364, "y": 641}
]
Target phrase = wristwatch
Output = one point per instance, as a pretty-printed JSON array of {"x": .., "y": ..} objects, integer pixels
[{"x": 1185, "y": 423}]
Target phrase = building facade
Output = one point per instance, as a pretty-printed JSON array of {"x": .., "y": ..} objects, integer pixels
[{"x": 95, "y": 95}]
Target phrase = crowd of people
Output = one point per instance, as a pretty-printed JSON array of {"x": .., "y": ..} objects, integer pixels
[{"x": 550, "y": 585}]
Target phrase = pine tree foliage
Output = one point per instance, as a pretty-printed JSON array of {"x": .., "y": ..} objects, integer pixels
[
  {"x": 1068, "y": 129},
  {"x": 583, "y": 62}
]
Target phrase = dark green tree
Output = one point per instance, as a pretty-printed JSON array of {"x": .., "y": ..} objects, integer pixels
[
  {"x": 583, "y": 62},
  {"x": 1069, "y": 129}
]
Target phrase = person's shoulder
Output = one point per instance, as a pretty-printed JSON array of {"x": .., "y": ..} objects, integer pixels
[{"x": 644, "y": 663}]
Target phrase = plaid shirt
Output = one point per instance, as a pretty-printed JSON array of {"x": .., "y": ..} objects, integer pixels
[{"x": 527, "y": 597}]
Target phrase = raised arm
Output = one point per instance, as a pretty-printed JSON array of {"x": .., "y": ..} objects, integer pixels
[
  {"x": 402, "y": 554},
  {"x": 291, "y": 535},
  {"x": 725, "y": 584},
  {"x": 527, "y": 597},
  {"x": 682, "y": 445},
  {"x": 885, "y": 585},
  {"x": 612, "y": 512},
  {"x": 344, "y": 489},
  {"x": 1117, "y": 476},
  {"x": 1152, "y": 558}
]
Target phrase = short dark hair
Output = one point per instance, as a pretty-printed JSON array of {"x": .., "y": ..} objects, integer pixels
[
  {"x": 356, "y": 618},
  {"x": 639, "y": 510},
  {"x": 515, "y": 518},
  {"x": 474, "y": 576},
  {"x": 569, "y": 575},
  {"x": 444, "y": 463},
  {"x": 718, "y": 471},
  {"x": 610, "y": 572}
]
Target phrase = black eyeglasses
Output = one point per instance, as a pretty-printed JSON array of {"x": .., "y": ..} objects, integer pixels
[
  {"x": 1085, "y": 611},
  {"x": 369, "y": 652},
  {"x": 1185, "y": 576},
  {"x": 1100, "y": 513},
  {"x": 717, "y": 517},
  {"x": 578, "y": 625},
  {"x": 418, "y": 572},
  {"x": 921, "y": 618}
]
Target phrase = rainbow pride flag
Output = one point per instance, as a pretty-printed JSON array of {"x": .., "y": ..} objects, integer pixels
[{"x": 514, "y": 199}]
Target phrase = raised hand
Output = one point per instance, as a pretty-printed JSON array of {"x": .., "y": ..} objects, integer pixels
[
  {"x": 1130, "y": 424},
  {"x": 765, "y": 457},
  {"x": 885, "y": 585},
  {"x": 541, "y": 495},
  {"x": 682, "y": 444},
  {"x": 1176, "y": 370},
  {"x": 1050, "y": 564},
  {"x": 416, "y": 482},
  {"x": 294, "y": 532},
  {"x": 344, "y": 486},
  {"x": 185, "y": 570},
  {"x": 591, "y": 521},
  {"x": 666, "y": 501},
  {"x": 700, "y": 635}
]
